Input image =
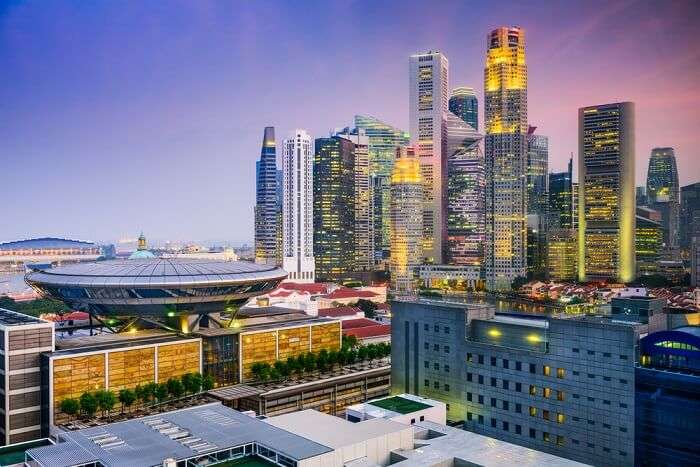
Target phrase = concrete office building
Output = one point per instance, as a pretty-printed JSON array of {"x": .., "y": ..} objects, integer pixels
[
  {"x": 297, "y": 207},
  {"x": 266, "y": 207},
  {"x": 664, "y": 194},
  {"x": 464, "y": 104},
  {"x": 690, "y": 216},
  {"x": 563, "y": 386},
  {"x": 506, "y": 127},
  {"x": 428, "y": 103},
  {"x": 606, "y": 210}
]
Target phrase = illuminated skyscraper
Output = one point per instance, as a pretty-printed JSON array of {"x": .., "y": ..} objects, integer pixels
[
  {"x": 561, "y": 208},
  {"x": 561, "y": 233},
  {"x": 383, "y": 141},
  {"x": 537, "y": 188},
  {"x": 406, "y": 213},
  {"x": 690, "y": 216},
  {"x": 464, "y": 104},
  {"x": 606, "y": 210},
  {"x": 664, "y": 194},
  {"x": 428, "y": 99},
  {"x": 505, "y": 93},
  {"x": 466, "y": 187},
  {"x": 364, "y": 229},
  {"x": 266, "y": 201},
  {"x": 561, "y": 254},
  {"x": 297, "y": 207},
  {"x": 334, "y": 208},
  {"x": 648, "y": 240}
]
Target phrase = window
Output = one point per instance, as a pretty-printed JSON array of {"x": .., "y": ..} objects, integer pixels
[
  {"x": 560, "y": 395},
  {"x": 576, "y": 396},
  {"x": 481, "y": 359},
  {"x": 518, "y": 429},
  {"x": 446, "y": 349},
  {"x": 446, "y": 329},
  {"x": 436, "y": 366},
  {"x": 481, "y": 399},
  {"x": 591, "y": 399},
  {"x": 493, "y": 382},
  {"x": 481, "y": 379},
  {"x": 533, "y": 390},
  {"x": 591, "y": 422},
  {"x": 469, "y": 377},
  {"x": 576, "y": 419},
  {"x": 623, "y": 429},
  {"x": 518, "y": 366},
  {"x": 576, "y": 373},
  {"x": 426, "y": 383},
  {"x": 469, "y": 396},
  {"x": 506, "y": 384},
  {"x": 560, "y": 373},
  {"x": 574, "y": 441},
  {"x": 560, "y": 418},
  {"x": 545, "y": 436},
  {"x": 590, "y": 445},
  {"x": 518, "y": 408},
  {"x": 623, "y": 381},
  {"x": 469, "y": 358},
  {"x": 469, "y": 416},
  {"x": 606, "y": 449},
  {"x": 606, "y": 426},
  {"x": 606, "y": 354},
  {"x": 506, "y": 426},
  {"x": 574, "y": 350},
  {"x": 518, "y": 387},
  {"x": 623, "y": 357},
  {"x": 533, "y": 368},
  {"x": 447, "y": 387},
  {"x": 425, "y": 345},
  {"x": 436, "y": 328},
  {"x": 590, "y": 352},
  {"x": 546, "y": 370},
  {"x": 426, "y": 364},
  {"x": 591, "y": 376},
  {"x": 546, "y": 392},
  {"x": 623, "y": 406},
  {"x": 560, "y": 440},
  {"x": 493, "y": 361},
  {"x": 422, "y": 418},
  {"x": 493, "y": 402},
  {"x": 493, "y": 423},
  {"x": 505, "y": 363},
  {"x": 533, "y": 411},
  {"x": 481, "y": 419},
  {"x": 436, "y": 347},
  {"x": 446, "y": 368},
  {"x": 545, "y": 414},
  {"x": 533, "y": 433},
  {"x": 606, "y": 402},
  {"x": 606, "y": 378},
  {"x": 623, "y": 453},
  {"x": 425, "y": 327},
  {"x": 413, "y": 420},
  {"x": 505, "y": 405},
  {"x": 436, "y": 385}
]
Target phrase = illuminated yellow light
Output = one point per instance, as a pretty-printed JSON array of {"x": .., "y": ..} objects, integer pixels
[
  {"x": 132, "y": 331},
  {"x": 534, "y": 338},
  {"x": 494, "y": 333}
]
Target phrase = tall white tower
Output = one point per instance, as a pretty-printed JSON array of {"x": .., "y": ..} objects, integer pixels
[
  {"x": 297, "y": 207},
  {"x": 428, "y": 101}
]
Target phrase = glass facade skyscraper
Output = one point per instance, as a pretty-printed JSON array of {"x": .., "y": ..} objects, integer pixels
[
  {"x": 561, "y": 209},
  {"x": 561, "y": 233},
  {"x": 266, "y": 202},
  {"x": 606, "y": 210},
  {"x": 505, "y": 94},
  {"x": 664, "y": 194},
  {"x": 690, "y": 216},
  {"x": 537, "y": 188},
  {"x": 464, "y": 104},
  {"x": 334, "y": 208}
]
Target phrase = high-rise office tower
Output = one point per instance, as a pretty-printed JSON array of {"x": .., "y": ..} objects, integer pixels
[
  {"x": 383, "y": 141},
  {"x": 537, "y": 188},
  {"x": 505, "y": 94},
  {"x": 266, "y": 207},
  {"x": 297, "y": 207},
  {"x": 664, "y": 194},
  {"x": 364, "y": 228},
  {"x": 334, "y": 208},
  {"x": 641, "y": 196},
  {"x": 428, "y": 99},
  {"x": 561, "y": 233},
  {"x": 405, "y": 220},
  {"x": 606, "y": 210},
  {"x": 280, "y": 200},
  {"x": 466, "y": 185},
  {"x": 464, "y": 104},
  {"x": 560, "y": 208},
  {"x": 690, "y": 216},
  {"x": 648, "y": 240}
]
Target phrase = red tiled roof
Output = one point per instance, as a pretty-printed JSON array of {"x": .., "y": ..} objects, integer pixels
[
  {"x": 369, "y": 331},
  {"x": 300, "y": 287},
  {"x": 358, "y": 323},
  {"x": 339, "y": 311},
  {"x": 282, "y": 293},
  {"x": 346, "y": 292},
  {"x": 383, "y": 306},
  {"x": 74, "y": 315}
]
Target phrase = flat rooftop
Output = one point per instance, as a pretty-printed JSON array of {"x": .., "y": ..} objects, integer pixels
[
  {"x": 107, "y": 341},
  {"x": 398, "y": 404},
  {"x": 12, "y": 318},
  {"x": 530, "y": 322},
  {"x": 443, "y": 445},
  {"x": 263, "y": 323},
  {"x": 180, "y": 434}
]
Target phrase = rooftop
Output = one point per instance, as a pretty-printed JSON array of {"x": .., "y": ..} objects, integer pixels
[
  {"x": 45, "y": 242},
  {"x": 346, "y": 292},
  {"x": 12, "y": 318},
  {"x": 400, "y": 405},
  {"x": 179, "y": 435},
  {"x": 106, "y": 341}
]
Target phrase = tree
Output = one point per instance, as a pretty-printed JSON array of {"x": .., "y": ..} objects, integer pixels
[
  {"x": 105, "y": 401},
  {"x": 368, "y": 306},
  {"x": 294, "y": 365},
  {"x": 88, "y": 404},
  {"x": 362, "y": 353},
  {"x": 127, "y": 397},
  {"x": 332, "y": 358},
  {"x": 70, "y": 407},
  {"x": 273, "y": 374},
  {"x": 161, "y": 392},
  {"x": 175, "y": 387},
  {"x": 349, "y": 342},
  {"x": 282, "y": 368},
  {"x": 343, "y": 356},
  {"x": 518, "y": 282},
  {"x": 372, "y": 351},
  {"x": 193, "y": 383},
  {"x": 352, "y": 356},
  {"x": 208, "y": 383},
  {"x": 309, "y": 362},
  {"x": 322, "y": 360}
]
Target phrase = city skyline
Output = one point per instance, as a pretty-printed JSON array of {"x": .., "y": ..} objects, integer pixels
[{"x": 134, "y": 105}]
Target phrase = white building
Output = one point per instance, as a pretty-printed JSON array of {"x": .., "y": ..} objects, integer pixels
[
  {"x": 297, "y": 207},
  {"x": 403, "y": 408},
  {"x": 428, "y": 103}
]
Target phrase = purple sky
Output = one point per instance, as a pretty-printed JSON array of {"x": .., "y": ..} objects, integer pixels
[{"x": 123, "y": 116}]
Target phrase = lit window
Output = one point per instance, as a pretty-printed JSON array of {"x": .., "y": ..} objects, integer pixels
[
  {"x": 545, "y": 370},
  {"x": 533, "y": 411},
  {"x": 560, "y": 418},
  {"x": 546, "y": 392},
  {"x": 560, "y": 440},
  {"x": 533, "y": 390},
  {"x": 545, "y": 436},
  {"x": 560, "y": 395},
  {"x": 560, "y": 372}
]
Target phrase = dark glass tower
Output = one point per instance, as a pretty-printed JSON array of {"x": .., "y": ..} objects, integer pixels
[
  {"x": 266, "y": 202},
  {"x": 690, "y": 215},
  {"x": 663, "y": 192},
  {"x": 464, "y": 104},
  {"x": 561, "y": 207},
  {"x": 334, "y": 207}
]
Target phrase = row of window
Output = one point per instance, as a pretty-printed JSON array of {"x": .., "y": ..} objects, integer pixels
[
  {"x": 436, "y": 328},
  {"x": 436, "y": 347},
  {"x": 436, "y": 385},
  {"x": 505, "y": 363},
  {"x": 559, "y": 440},
  {"x": 605, "y": 354}
]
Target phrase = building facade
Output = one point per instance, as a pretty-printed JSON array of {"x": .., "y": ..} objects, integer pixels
[
  {"x": 537, "y": 189},
  {"x": 664, "y": 194},
  {"x": 690, "y": 216},
  {"x": 561, "y": 234},
  {"x": 562, "y": 386},
  {"x": 560, "y": 207},
  {"x": 506, "y": 127},
  {"x": 406, "y": 214},
  {"x": 297, "y": 207},
  {"x": 266, "y": 206},
  {"x": 648, "y": 241},
  {"x": 606, "y": 210},
  {"x": 428, "y": 103},
  {"x": 383, "y": 141},
  {"x": 464, "y": 104},
  {"x": 561, "y": 254},
  {"x": 334, "y": 208}
]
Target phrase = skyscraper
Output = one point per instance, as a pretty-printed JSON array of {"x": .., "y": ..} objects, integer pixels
[
  {"x": 466, "y": 186},
  {"x": 406, "y": 213},
  {"x": 383, "y": 142},
  {"x": 334, "y": 208},
  {"x": 428, "y": 99},
  {"x": 561, "y": 233},
  {"x": 280, "y": 200},
  {"x": 664, "y": 194},
  {"x": 561, "y": 209},
  {"x": 266, "y": 201},
  {"x": 464, "y": 104},
  {"x": 537, "y": 188},
  {"x": 505, "y": 93},
  {"x": 648, "y": 240},
  {"x": 690, "y": 216},
  {"x": 606, "y": 210},
  {"x": 364, "y": 228},
  {"x": 297, "y": 208}
]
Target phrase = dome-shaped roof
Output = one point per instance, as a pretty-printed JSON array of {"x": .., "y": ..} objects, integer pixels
[{"x": 142, "y": 254}]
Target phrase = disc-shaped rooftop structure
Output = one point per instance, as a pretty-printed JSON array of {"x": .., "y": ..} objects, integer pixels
[{"x": 156, "y": 287}]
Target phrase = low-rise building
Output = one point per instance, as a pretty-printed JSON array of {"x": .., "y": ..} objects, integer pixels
[
  {"x": 403, "y": 408},
  {"x": 459, "y": 277},
  {"x": 367, "y": 331}
]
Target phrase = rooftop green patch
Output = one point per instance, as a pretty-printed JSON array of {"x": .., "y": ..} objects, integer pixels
[{"x": 400, "y": 405}]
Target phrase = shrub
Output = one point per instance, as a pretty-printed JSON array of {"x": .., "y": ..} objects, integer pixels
[
  {"x": 208, "y": 383},
  {"x": 175, "y": 387},
  {"x": 127, "y": 397},
  {"x": 88, "y": 404},
  {"x": 70, "y": 407}
]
